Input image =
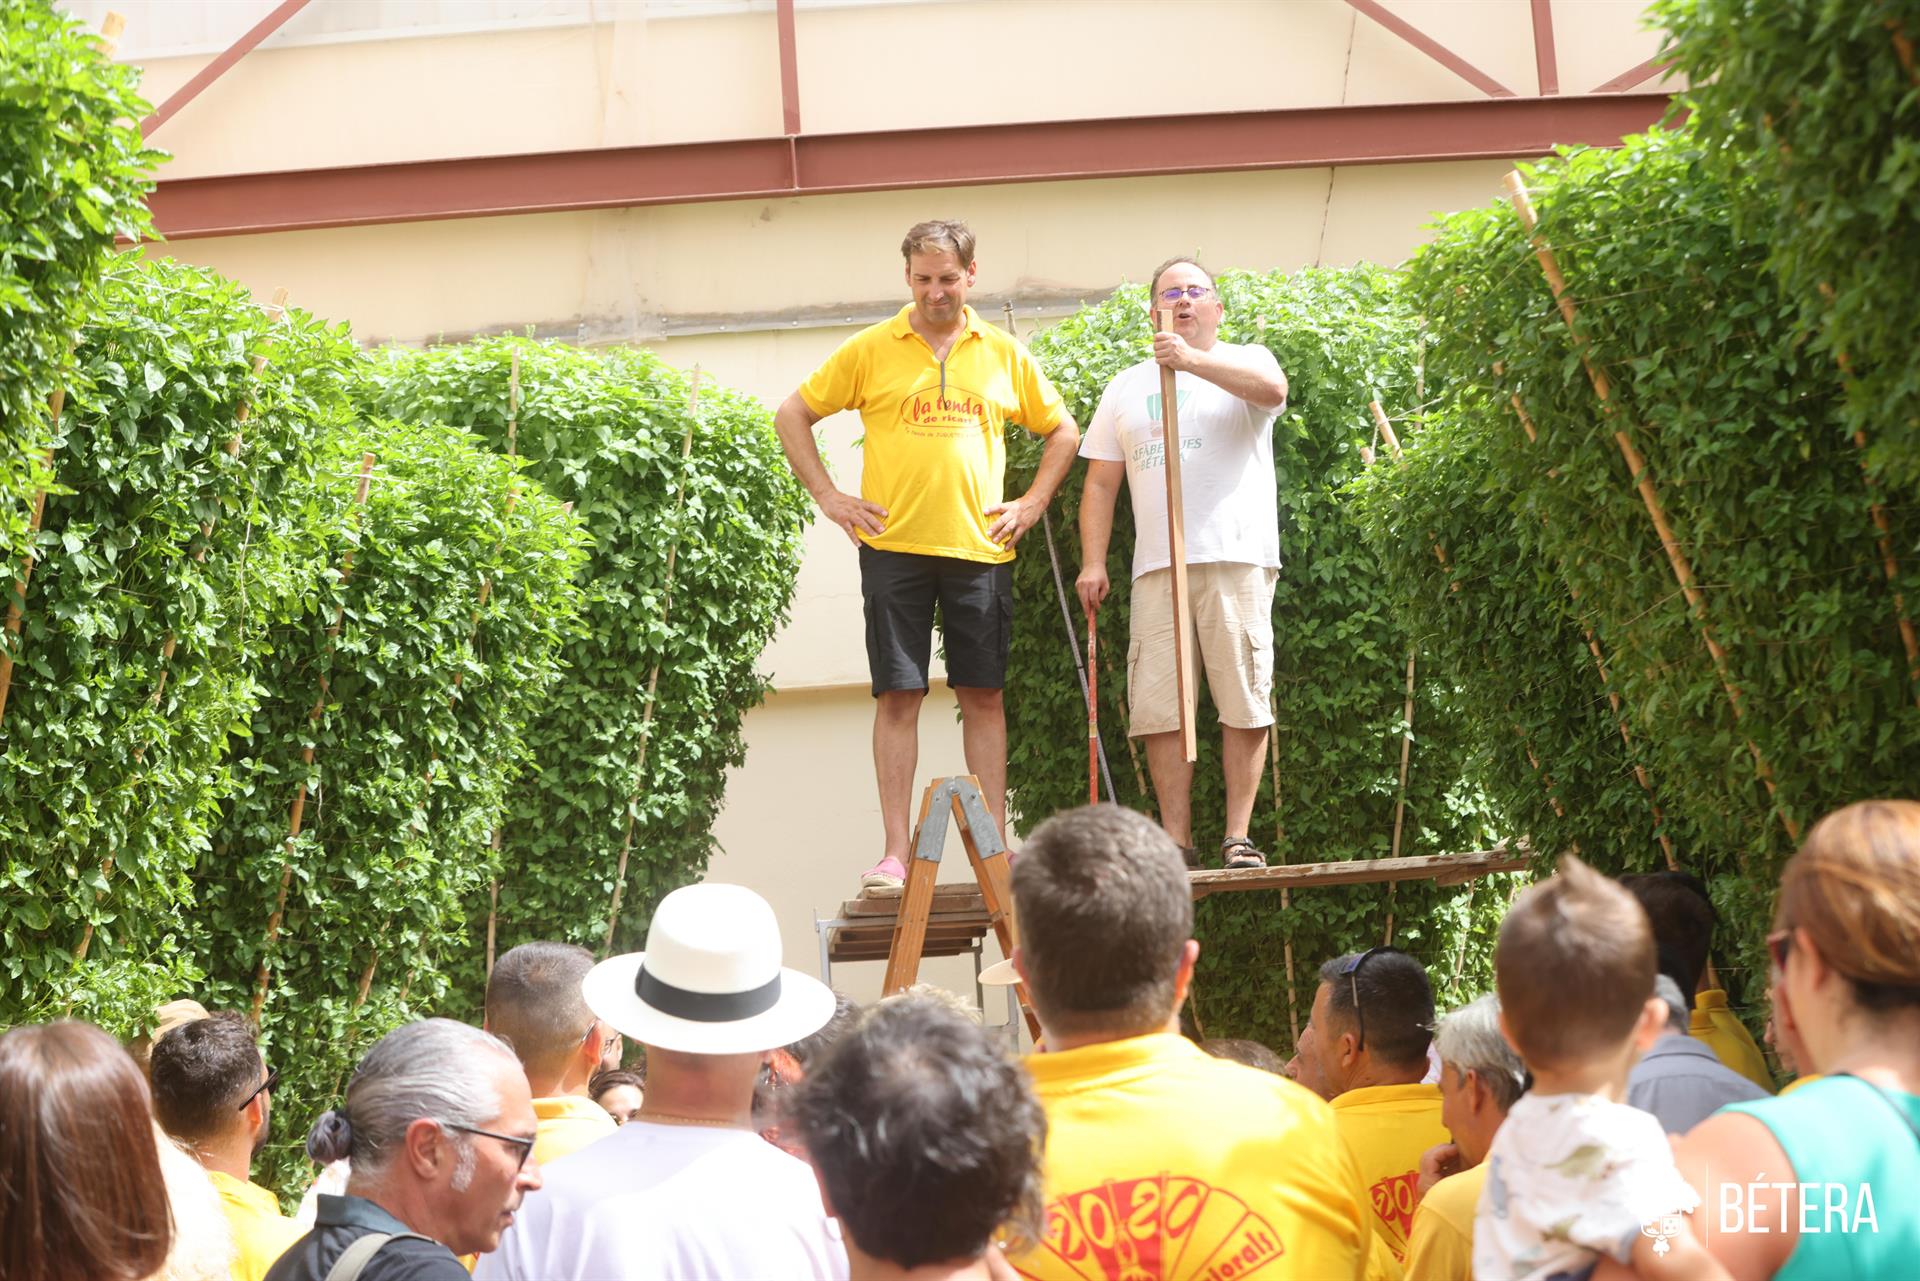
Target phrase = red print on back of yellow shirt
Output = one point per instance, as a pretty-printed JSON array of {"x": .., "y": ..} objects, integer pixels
[
  {"x": 1163, "y": 1228},
  {"x": 1393, "y": 1200}
]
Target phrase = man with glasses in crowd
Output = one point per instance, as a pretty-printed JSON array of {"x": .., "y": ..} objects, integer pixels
[
  {"x": 213, "y": 1093},
  {"x": 534, "y": 1005},
  {"x": 1228, "y": 397},
  {"x": 439, "y": 1127},
  {"x": 1372, "y": 1022}
]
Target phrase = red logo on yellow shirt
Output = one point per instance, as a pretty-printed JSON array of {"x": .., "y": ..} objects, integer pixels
[
  {"x": 1393, "y": 1200},
  {"x": 1163, "y": 1228},
  {"x": 937, "y": 411}
]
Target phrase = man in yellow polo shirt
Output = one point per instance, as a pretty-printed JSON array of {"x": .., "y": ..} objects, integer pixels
[
  {"x": 935, "y": 387},
  {"x": 1160, "y": 1161},
  {"x": 534, "y": 1005},
  {"x": 212, "y": 1093},
  {"x": 1480, "y": 1079},
  {"x": 1371, "y": 1024}
]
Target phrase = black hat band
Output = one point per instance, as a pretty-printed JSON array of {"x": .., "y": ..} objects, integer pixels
[{"x": 705, "y": 1007}]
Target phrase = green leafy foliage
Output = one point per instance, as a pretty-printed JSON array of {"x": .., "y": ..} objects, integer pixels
[
  {"x": 73, "y": 172},
  {"x": 1739, "y": 428},
  {"x": 1342, "y": 336},
  {"x": 1811, "y": 108},
  {"x": 426, "y": 657},
  {"x": 673, "y": 668},
  {"x": 176, "y": 526}
]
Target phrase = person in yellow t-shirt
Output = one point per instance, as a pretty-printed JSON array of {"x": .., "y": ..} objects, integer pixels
[
  {"x": 1683, "y": 916},
  {"x": 935, "y": 387},
  {"x": 1480, "y": 1078},
  {"x": 1160, "y": 1161},
  {"x": 1371, "y": 1019},
  {"x": 534, "y": 1005},
  {"x": 213, "y": 1093}
]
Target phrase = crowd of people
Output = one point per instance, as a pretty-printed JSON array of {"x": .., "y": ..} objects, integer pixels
[{"x": 1585, "y": 1118}]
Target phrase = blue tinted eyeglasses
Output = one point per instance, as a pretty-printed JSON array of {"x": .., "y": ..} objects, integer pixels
[{"x": 1177, "y": 292}]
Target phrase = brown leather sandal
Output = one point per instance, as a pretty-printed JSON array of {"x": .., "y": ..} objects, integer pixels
[{"x": 1237, "y": 854}]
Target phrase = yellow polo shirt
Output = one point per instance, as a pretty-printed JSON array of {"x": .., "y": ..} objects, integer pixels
[
  {"x": 566, "y": 1123},
  {"x": 935, "y": 453},
  {"x": 1440, "y": 1247},
  {"x": 1716, "y": 1026},
  {"x": 1388, "y": 1127},
  {"x": 1165, "y": 1162},
  {"x": 261, "y": 1234}
]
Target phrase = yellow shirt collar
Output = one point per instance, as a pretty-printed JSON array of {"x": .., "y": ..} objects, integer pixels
[
  {"x": 1386, "y": 1096},
  {"x": 251, "y": 1195},
  {"x": 903, "y": 324}
]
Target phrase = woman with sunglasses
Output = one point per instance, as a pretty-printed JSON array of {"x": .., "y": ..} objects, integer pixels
[{"x": 1819, "y": 1184}]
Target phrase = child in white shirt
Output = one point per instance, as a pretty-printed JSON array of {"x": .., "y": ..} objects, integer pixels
[{"x": 1574, "y": 1174}]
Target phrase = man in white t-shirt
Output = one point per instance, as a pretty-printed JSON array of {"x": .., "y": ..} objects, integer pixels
[
  {"x": 1228, "y": 396},
  {"x": 688, "y": 1188}
]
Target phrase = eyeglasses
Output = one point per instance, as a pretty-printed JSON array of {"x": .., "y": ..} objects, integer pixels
[
  {"x": 525, "y": 1145},
  {"x": 606, "y": 1042},
  {"x": 1779, "y": 943},
  {"x": 265, "y": 1087},
  {"x": 1177, "y": 292},
  {"x": 1352, "y": 971}
]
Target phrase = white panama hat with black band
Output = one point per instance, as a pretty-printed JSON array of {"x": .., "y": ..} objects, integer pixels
[{"x": 710, "y": 981}]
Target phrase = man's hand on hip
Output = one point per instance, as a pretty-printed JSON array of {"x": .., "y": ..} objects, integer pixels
[
  {"x": 1013, "y": 519},
  {"x": 1092, "y": 586},
  {"x": 853, "y": 514}
]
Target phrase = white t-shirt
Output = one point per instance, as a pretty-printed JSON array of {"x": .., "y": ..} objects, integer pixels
[
  {"x": 667, "y": 1202},
  {"x": 1571, "y": 1177},
  {"x": 1227, "y": 490}
]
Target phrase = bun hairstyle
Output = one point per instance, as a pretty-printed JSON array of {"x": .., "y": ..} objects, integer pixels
[
  {"x": 1855, "y": 888},
  {"x": 331, "y": 1138}
]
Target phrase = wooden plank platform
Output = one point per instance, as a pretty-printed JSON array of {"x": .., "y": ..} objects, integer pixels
[
  {"x": 958, "y": 917},
  {"x": 1445, "y": 869}
]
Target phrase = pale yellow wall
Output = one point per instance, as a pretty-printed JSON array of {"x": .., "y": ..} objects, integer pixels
[{"x": 758, "y": 292}]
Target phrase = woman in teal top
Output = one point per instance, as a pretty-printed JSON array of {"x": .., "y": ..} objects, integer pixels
[{"x": 1820, "y": 1184}]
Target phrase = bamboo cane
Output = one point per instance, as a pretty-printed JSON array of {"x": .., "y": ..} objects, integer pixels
[
  {"x": 513, "y": 434},
  {"x": 1140, "y": 780},
  {"x": 1385, "y": 427},
  {"x": 1643, "y": 482},
  {"x": 1093, "y": 713},
  {"x": 297, "y": 815},
  {"x": 1400, "y": 806},
  {"x": 11, "y": 638},
  {"x": 1279, "y": 847},
  {"x": 1606, "y": 680},
  {"x": 653, "y": 677},
  {"x": 1890, "y": 565},
  {"x": 1183, "y": 676}
]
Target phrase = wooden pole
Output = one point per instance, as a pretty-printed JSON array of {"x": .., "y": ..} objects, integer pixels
[
  {"x": 1279, "y": 852},
  {"x": 1093, "y": 712},
  {"x": 499, "y": 824},
  {"x": 1184, "y": 688},
  {"x": 1140, "y": 779},
  {"x": 11, "y": 639},
  {"x": 1385, "y": 426},
  {"x": 297, "y": 815},
  {"x": 1643, "y": 482},
  {"x": 653, "y": 677},
  {"x": 1890, "y": 565},
  {"x": 1606, "y": 680}
]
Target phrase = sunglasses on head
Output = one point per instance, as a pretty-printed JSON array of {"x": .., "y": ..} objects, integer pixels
[{"x": 1352, "y": 970}]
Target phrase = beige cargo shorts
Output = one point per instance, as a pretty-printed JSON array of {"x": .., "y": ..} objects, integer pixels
[{"x": 1233, "y": 625}]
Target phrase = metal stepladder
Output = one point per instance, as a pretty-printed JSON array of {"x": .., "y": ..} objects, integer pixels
[{"x": 957, "y": 798}]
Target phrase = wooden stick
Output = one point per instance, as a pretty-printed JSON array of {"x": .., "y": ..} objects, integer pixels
[
  {"x": 11, "y": 638},
  {"x": 1393, "y": 447},
  {"x": 297, "y": 814},
  {"x": 1890, "y": 565},
  {"x": 1093, "y": 712},
  {"x": 1643, "y": 482},
  {"x": 1600, "y": 664},
  {"x": 653, "y": 677},
  {"x": 1140, "y": 780},
  {"x": 1279, "y": 847},
  {"x": 1184, "y": 688}
]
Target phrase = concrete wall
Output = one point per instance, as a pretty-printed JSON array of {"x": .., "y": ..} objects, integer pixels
[{"x": 758, "y": 292}]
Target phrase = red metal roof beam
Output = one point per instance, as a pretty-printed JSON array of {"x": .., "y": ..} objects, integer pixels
[
  {"x": 221, "y": 65},
  {"x": 789, "y": 69},
  {"x": 1433, "y": 48},
  {"x": 1545, "y": 63},
  {"x": 1634, "y": 77},
  {"x": 819, "y": 164}
]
